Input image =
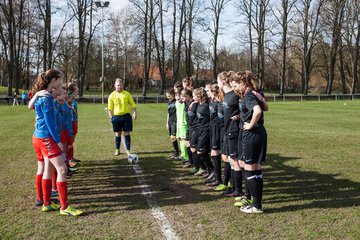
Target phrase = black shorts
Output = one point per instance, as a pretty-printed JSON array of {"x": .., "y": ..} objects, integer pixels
[
  {"x": 222, "y": 142},
  {"x": 253, "y": 145},
  {"x": 193, "y": 138},
  {"x": 172, "y": 128},
  {"x": 215, "y": 137},
  {"x": 231, "y": 142},
  {"x": 203, "y": 140},
  {"x": 122, "y": 123}
]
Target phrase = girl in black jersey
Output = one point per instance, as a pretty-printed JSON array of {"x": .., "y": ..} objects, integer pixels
[
  {"x": 253, "y": 140},
  {"x": 215, "y": 140},
  {"x": 171, "y": 122},
  {"x": 203, "y": 127},
  {"x": 231, "y": 131},
  {"x": 191, "y": 135}
]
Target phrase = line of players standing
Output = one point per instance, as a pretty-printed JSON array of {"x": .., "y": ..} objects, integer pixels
[
  {"x": 55, "y": 129},
  {"x": 226, "y": 120}
]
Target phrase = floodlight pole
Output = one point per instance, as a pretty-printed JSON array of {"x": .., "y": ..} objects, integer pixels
[{"x": 102, "y": 5}]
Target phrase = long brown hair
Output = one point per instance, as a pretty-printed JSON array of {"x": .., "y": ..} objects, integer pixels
[
  {"x": 218, "y": 93},
  {"x": 44, "y": 79},
  {"x": 226, "y": 76}
]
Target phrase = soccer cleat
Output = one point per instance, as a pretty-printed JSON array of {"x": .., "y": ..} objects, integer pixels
[
  {"x": 186, "y": 164},
  {"x": 51, "y": 207},
  {"x": 70, "y": 211},
  {"x": 72, "y": 169},
  {"x": 215, "y": 183},
  {"x": 39, "y": 203},
  {"x": 233, "y": 194},
  {"x": 194, "y": 170},
  {"x": 243, "y": 202},
  {"x": 222, "y": 187},
  {"x": 128, "y": 152},
  {"x": 76, "y": 160},
  {"x": 251, "y": 209},
  {"x": 174, "y": 156},
  {"x": 209, "y": 180},
  {"x": 54, "y": 193},
  {"x": 200, "y": 172},
  {"x": 72, "y": 163},
  {"x": 117, "y": 152}
]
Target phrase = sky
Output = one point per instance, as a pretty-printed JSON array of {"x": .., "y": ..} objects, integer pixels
[{"x": 116, "y": 5}]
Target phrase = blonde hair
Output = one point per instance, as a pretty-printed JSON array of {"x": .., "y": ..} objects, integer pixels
[{"x": 119, "y": 80}]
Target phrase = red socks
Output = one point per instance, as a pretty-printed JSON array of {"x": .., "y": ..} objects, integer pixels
[
  {"x": 46, "y": 188},
  {"x": 38, "y": 185},
  {"x": 63, "y": 194},
  {"x": 54, "y": 176}
]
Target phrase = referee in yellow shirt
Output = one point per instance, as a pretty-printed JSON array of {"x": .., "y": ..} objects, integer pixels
[{"x": 120, "y": 104}]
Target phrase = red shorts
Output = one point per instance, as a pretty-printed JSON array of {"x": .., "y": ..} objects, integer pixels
[
  {"x": 45, "y": 147},
  {"x": 75, "y": 128},
  {"x": 65, "y": 138}
]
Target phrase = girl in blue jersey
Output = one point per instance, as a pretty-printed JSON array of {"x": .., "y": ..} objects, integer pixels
[
  {"x": 73, "y": 94},
  {"x": 47, "y": 144}
]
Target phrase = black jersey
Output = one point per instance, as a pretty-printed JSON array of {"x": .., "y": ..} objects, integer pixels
[
  {"x": 213, "y": 107},
  {"x": 246, "y": 106},
  {"x": 231, "y": 108},
  {"x": 203, "y": 115},
  {"x": 220, "y": 114},
  {"x": 191, "y": 114},
  {"x": 172, "y": 111}
]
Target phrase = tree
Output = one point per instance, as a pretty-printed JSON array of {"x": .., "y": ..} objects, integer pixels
[
  {"x": 216, "y": 8},
  {"x": 307, "y": 29},
  {"x": 11, "y": 35},
  {"x": 83, "y": 12},
  {"x": 333, "y": 16},
  {"x": 283, "y": 20}
]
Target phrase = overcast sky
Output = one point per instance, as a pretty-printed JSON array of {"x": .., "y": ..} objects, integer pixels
[{"x": 117, "y": 4}]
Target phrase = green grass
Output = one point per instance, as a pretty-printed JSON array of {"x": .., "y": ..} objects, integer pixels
[{"x": 312, "y": 181}]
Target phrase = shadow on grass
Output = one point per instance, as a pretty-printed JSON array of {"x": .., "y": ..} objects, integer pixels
[
  {"x": 103, "y": 186},
  {"x": 292, "y": 189},
  {"x": 111, "y": 185}
]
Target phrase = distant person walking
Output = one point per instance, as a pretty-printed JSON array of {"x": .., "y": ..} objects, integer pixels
[
  {"x": 119, "y": 104},
  {"x": 24, "y": 98},
  {"x": 16, "y": 101}
]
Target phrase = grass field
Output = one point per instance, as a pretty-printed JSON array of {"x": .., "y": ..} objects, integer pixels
[{"x": 311, "y": 178}]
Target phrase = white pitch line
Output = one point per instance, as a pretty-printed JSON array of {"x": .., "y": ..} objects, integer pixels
[
  {"x": 164, "y": 223},
  {"x": 165, "y": 226}
]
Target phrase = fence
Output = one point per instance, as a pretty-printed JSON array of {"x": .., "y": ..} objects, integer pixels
[{"x": 270, "y": 98}]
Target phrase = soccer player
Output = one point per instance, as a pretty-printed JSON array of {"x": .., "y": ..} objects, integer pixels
[
  {"x": 120, "y": 104},
  {"x": 187, "y": 83},
  {"x": 191, "y": 135},
  {"x": 181, "y": 124},
  {"x": 215, "y": 139},
  {"x": 171, "y": 122},
  {"x": 231, "y": 130},
  {"x": 73, "y": 94},
  {"x": 253, "y": 141},
  {"x": 47, "y": 145},
  {"x": 203, "y": 128}
]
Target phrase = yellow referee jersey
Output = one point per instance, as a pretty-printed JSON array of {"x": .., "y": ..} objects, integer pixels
[{"x": 119, "y": 102}]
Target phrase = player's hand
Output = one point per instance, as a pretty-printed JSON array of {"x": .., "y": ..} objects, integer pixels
[
  {"x": 235, "y": 118},
  {"x": 247, "y": 126},
  {"x": 134, "y": 115}
]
